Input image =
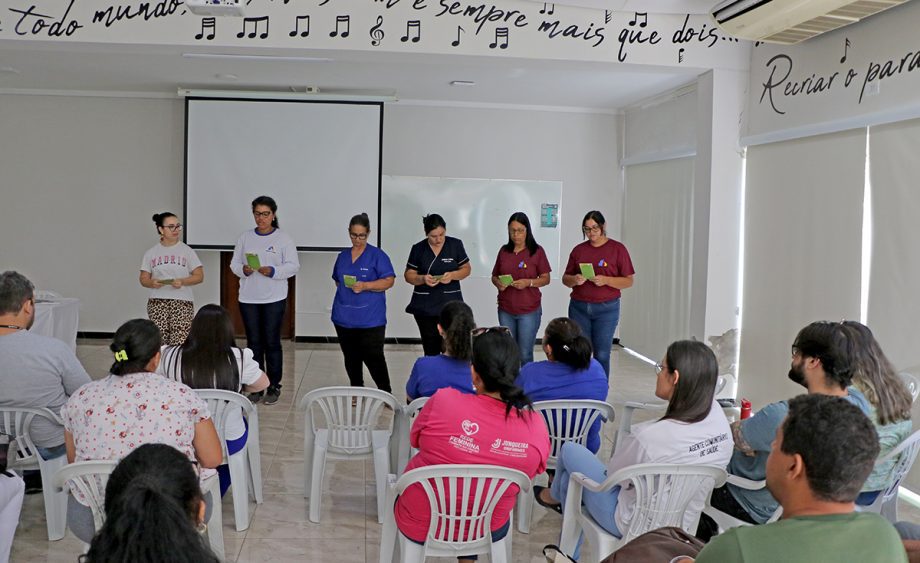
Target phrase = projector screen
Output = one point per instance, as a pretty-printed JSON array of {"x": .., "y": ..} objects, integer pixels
[{"x": 320, "y": 161}]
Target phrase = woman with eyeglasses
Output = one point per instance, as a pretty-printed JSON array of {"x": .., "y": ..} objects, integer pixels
[
  {"x": 435, "y": 267},
  {"x": 496, "y": 426},
  {"x": 155, "y": 511},
  {"x": 520, "y": 270},
  {"x": 110, "y": 417},
  {"x": 693, "y": 431},
  {"x": 264, "y": 258},
  {"x": 362, "y": 274},
  {"x": 597, "y": 270},
  {"x": 169, "y": 269}
]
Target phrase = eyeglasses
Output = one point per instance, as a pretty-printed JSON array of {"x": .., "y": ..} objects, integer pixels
[
  {"x": 594, "y": 229},
  {"x": 518, "y": 231},
  {"x": 658, "y": 368},
  {"x": 362, "y": 236},
  {"x": 262, "y": 213},
  {"x": 795, "y": 350},
  {"x": 176, "y": 227}
]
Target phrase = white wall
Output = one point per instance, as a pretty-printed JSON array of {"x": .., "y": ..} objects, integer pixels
[{"x": 83, "y": 175}]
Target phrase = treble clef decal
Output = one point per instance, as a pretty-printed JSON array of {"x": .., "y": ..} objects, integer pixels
[{"x": 377, "y": 33}]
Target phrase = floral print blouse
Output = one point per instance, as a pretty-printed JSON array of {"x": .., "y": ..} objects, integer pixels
[{"x": 109, "y": 418}]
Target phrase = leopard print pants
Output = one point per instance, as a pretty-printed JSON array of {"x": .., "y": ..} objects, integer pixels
[{"x": 173, "y": 317}]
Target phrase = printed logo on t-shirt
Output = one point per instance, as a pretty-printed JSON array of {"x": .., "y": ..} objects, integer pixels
[
  {"x": 602, "y": 263},
  {"x": 447, "y": 260},
  {"x": 271, "y": 249},
  {"x": 709, "y": 445},
  {"x": 497, "y": 443},
  {"x": 509, "y": 448},
  {"x": 470, "y": 428},
  {"x": 168, "y": 259}
]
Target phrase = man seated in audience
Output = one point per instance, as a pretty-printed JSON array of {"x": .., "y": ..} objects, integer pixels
[
  {"x": 820, "y": 363},
  {"x": 35, "y": 370},
  {"x": 818, "y": 462}
]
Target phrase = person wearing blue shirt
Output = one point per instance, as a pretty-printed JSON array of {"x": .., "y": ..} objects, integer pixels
[
  {"x": 434, "y": 269},
  {"x": 822, "y": 363},
  {"x": 452, "y": 367},
  {"x": 359, "y": 311},
  {"x": 569, "y": 372}
]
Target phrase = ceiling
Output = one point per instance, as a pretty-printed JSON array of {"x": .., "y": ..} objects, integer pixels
[{"x": 130, "y": 70}]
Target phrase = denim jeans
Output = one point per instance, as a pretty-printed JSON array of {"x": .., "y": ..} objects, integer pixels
[
  {"x": 574, "y": 458},
  {"x": 598, "y": 322},
  {"x": 523, "y": 329},
  {"x": 262, "y": 322}
]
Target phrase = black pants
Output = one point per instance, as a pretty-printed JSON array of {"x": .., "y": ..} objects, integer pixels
[
  {"x": 364, "y": 346},
  {"x": 431, "y": 338},
  {"x": 262, "y": 322},
  {"x": 723, "y": 501}
]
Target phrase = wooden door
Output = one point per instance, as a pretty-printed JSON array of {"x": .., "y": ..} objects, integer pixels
[{"x": 230, "y": 298}]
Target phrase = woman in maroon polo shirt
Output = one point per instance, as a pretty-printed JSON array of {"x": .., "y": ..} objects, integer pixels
[
  {"x": 521, "y": 269},
  {"x": 597, "y": 270}
]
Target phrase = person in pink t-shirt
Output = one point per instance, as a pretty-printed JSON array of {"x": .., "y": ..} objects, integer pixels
[
  {"x": 497, "y": 426},
  {"x": 597, "y": 270}
]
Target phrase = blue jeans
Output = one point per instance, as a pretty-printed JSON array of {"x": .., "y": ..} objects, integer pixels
[
  {"x": 574, "y": 458},
  {"x": 262, "y": 322},
  {"x": 598, "y": 322},
  {"x": 233, "y": 446},
  {"x": 523, "y": 329}
]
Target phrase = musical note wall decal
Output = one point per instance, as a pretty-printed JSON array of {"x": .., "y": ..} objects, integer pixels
[
  {"x": 500, "y": 33},
  {"x": 640, "y": 16},
  {"x": 414, "y": 30},
  {"x": 339, "y": 21},
  {"x": 456, "y": 42},
  {"x": 305, "y": 20},
  {"x": 209, "y": 24},
  {"x": 376, "y": 32},
  {"x": 846, "y": 47},
  {"x": 550, "y": 11},
  {"x": 255, "y": 27}
]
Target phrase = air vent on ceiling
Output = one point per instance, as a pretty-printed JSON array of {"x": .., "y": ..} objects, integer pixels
[{"x": 792, "y": 21}]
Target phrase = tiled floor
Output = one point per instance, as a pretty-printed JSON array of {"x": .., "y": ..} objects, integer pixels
[{"x": 349, "y": 531}]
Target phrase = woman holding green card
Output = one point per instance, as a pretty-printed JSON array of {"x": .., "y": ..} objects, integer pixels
[
  {"x": 169, "y": 269},
  {"x": 521, "y": 269},
  {"x": 597, "y": 270},
  {"x": 362, "y": 274}
]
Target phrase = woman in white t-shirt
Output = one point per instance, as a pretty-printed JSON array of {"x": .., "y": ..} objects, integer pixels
[
  {"x": 209, "y": 359},
  {"x": 169, "y": 269},
  {"x": 693, "y": 431}
]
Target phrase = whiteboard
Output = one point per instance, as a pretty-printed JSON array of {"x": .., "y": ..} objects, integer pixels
[
  {"x": 320, "y": 161},
  {"x": 476, "y": 211}
]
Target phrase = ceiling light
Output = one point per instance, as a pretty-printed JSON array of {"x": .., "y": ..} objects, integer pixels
[
  {"x": 467, "y": 83},
  {"x": 8, "y": 70},
  {"x": 268, "y": 58}
]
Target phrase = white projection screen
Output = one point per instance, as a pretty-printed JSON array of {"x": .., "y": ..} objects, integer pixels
[{"x": 320, "y": 161}]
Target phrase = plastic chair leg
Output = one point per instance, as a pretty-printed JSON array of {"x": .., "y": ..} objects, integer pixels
[
  {"x": 254, "y": 454},
  {"x": 381, "y": 471},
  {"x": 216, "y": 522},
  {"x": 524, "y": 509},
  {"x": 239, "y": 482},
  {"x": 316, "y": 484},
  {"x": 55, "y": 502}
]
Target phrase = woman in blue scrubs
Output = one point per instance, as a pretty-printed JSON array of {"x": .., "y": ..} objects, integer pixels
[{"x": 362, "y": 274}]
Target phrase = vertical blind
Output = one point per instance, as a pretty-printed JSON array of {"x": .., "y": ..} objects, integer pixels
[
  {"x": 657, "y": 231},
  {"x": 802, "y": 250}
]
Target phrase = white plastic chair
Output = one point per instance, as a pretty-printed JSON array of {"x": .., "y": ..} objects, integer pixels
[
  {"x": 886, "y": 503},
  {"x": 90, "y": 478},
  {"x": 567, "y": 421},
  {"x": 246, "y": 464},
  {"x": 406, "y": 416},
  {"x": 911, "y": 383},
  {"x": 350, "y": 433},
  {"x": 453, "y": 530},
  {"x": 16, "y": 421},
  {"x": 727, "y": 521},
  {"x": 663, "y": 494}
]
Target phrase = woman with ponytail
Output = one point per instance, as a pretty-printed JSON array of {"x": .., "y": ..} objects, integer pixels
[
  {"x": 569, "y": 371},
  {"x": 154, "y": 511},
  {"x": 496, "y": 426},
  {"x": 452, "y": 367},
  {"x": 169, "y": 269},
  {"x": 693, "y": 431},
  {"x": 111, "y": 417}
]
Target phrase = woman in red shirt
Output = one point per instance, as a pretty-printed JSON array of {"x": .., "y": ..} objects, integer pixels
[
  {"x": 496, "y": 426},
  {"x": 597, "y": 270},
  {"x": 521, "y": 268}
]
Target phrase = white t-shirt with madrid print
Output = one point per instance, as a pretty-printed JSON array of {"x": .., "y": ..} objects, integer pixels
[
  {"x": 111, "y": 417},
  {"x": 169, "y": 263}
]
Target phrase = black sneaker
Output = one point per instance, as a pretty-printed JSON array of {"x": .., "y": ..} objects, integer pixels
[
  {"x": 256, "y": 397},
  {"x": 33, "y": 482},
  {"x": 272, "y": 395}
]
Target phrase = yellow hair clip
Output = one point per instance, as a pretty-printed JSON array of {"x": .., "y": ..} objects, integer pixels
[{"x": 121, "y": 356}]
